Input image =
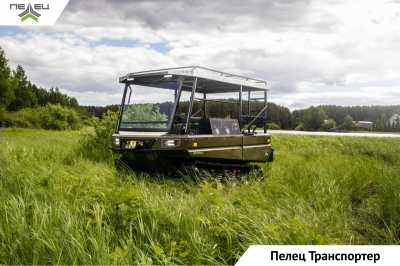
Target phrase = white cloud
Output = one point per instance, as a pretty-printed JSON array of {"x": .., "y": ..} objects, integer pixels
[{"x": 68, "y": 63}]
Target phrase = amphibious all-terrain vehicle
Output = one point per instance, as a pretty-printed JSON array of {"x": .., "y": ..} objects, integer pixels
[{"x": 192, "y": 114}]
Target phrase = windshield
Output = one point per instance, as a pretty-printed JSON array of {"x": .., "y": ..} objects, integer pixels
[{"x": 147, "y": 108}]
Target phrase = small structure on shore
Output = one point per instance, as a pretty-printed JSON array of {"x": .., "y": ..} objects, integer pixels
[{"x": 368, "y": 125}]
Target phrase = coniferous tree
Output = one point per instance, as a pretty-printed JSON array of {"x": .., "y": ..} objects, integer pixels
[
  {"x": 7, "y": 84},
  {"x": 24, "y": 94}
]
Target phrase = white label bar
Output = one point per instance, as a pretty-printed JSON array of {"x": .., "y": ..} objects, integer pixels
[{"x": 320, "y": 255}]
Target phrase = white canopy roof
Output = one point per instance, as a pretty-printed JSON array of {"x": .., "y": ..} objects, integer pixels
[{"x": 209, "y": 80}]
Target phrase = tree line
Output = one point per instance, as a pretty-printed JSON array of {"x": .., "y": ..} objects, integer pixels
[
  {"x": 18, "y": 92},
  {"x": 323, "y": 118},
  {"x": 332, "y": 117}
]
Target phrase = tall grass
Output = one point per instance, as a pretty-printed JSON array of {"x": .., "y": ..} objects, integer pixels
[
  {"x": 51, "y": 116},
  {"x": 60, "y": 207},
  {"x": 96, "y": 144}
]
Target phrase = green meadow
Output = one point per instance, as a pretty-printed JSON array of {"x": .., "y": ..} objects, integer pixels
[{"x": 60, "y": 206}]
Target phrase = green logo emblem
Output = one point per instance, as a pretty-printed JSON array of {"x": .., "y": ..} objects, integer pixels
[{"x": 29, "y": 12}]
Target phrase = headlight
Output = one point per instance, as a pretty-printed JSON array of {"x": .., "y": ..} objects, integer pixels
[
  {"x": 169, "y": 143},
  {"x": 116, "y": 141}
]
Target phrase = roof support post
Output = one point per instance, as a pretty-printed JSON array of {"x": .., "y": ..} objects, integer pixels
[
  {"x": 240, "y": 105},
  {"x": 190, "y": 105},
  {"x": 175, "y": 92},
  {"x": 204, "y": 104},
  {"x": 265, "y": 113},
  {"x": 178, "y": 92},
  {"x": 248, "y": 103},
  {"x": 121, "y": 108}
]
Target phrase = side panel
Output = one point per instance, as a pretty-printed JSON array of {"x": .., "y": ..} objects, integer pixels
[
  {"x": 211, "y": 141},
  {"x": 256, "y": 139},
  {"x": 256, "y": 153},
  {"x": 256, "y": 148},
  {"x": 214, "y": 147},
  {"x": 225, "y": 153}
]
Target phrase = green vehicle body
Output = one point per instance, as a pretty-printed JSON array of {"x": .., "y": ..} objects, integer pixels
[
  {"x": 226, "y": 141},
  {"x": 226, "y": 148}
]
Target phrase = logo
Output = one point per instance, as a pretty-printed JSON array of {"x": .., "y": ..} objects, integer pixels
[{"x": 29, "y": 11}]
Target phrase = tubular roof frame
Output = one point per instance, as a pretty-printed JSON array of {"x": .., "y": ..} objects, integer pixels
[{"x": 210, "y": 80}]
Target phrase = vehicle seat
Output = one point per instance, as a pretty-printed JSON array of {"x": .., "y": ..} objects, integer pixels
[{"x": 205, "y": 126}]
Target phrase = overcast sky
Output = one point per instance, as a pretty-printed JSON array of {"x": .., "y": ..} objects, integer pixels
[{"x": 312, "y": 52}]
